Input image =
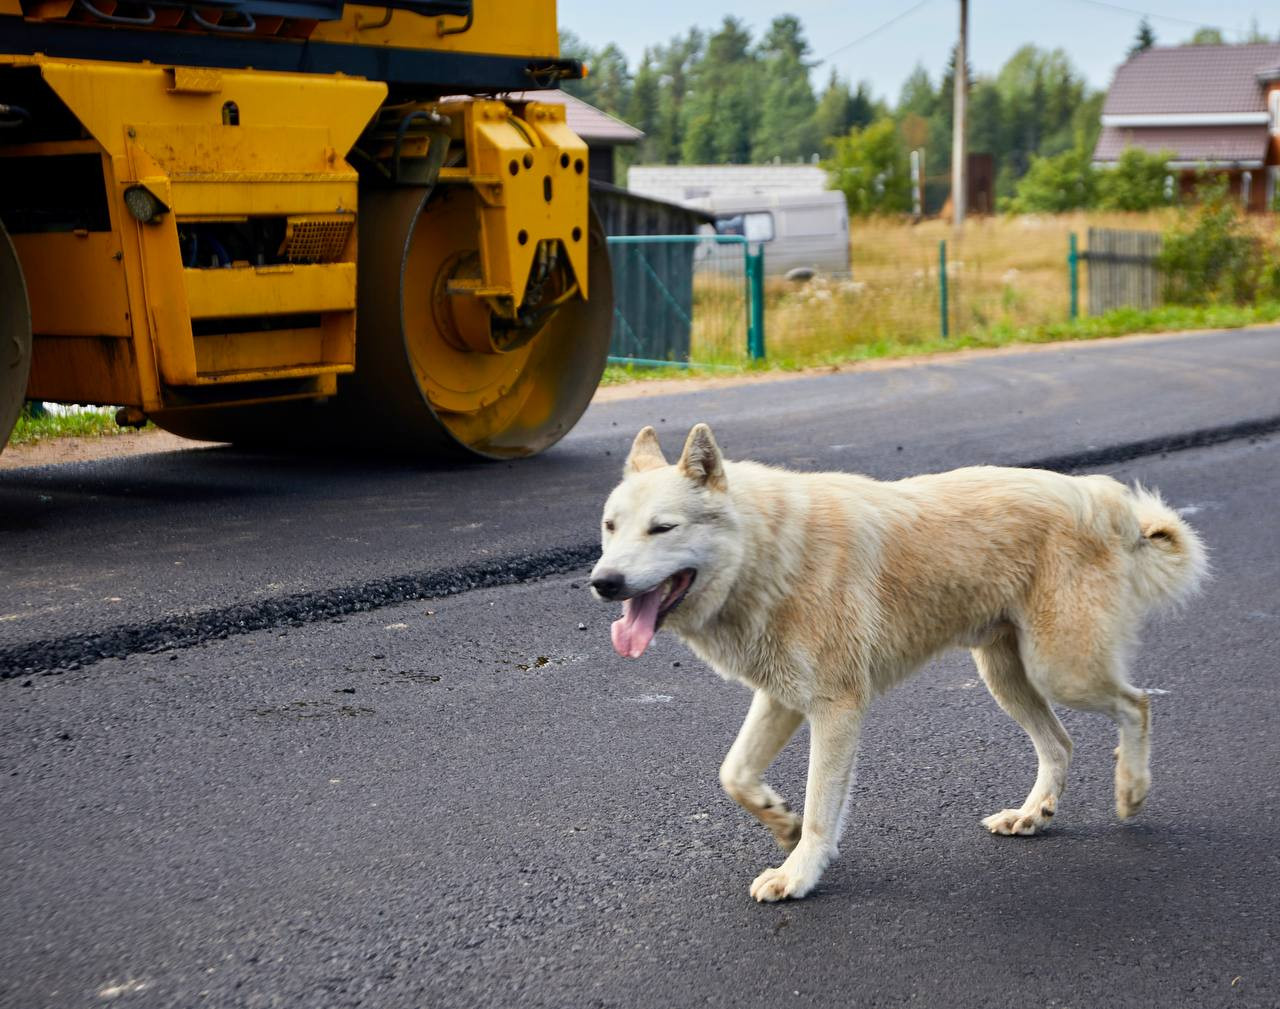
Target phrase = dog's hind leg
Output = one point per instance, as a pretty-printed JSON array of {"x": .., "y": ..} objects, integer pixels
[
  {"x": 764, "y": 733},
  {"x": 1001, "y": 669},
  {"x": 1132, "y": 714},
  {"x": 1093, "y": 679},
  {"x": 833, "y": 745}
]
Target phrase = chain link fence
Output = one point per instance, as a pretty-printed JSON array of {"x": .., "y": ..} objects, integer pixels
[
  {"x": 704, "y": 300},
  {"x": 686, "y": 299}
]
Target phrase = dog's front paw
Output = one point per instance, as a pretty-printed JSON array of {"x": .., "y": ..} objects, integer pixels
[
  {"x": 794, "y": 878},
  {"x": 1022, "y": 822}
]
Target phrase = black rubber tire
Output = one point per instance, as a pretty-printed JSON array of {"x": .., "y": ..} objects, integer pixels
[{"x": 15, "y": 338}]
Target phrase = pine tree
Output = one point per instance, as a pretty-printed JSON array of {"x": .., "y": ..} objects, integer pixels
[
  {"x": 1145, "y": 39},
  {"x": 786, "y": 129},
  {"x": 643, "y": 111},
  {"x": 834, "y": 114},
  {"x": 721, "y": 107}
]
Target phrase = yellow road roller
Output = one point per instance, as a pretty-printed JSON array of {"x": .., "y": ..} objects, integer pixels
[{"x": 298, "y": 222}]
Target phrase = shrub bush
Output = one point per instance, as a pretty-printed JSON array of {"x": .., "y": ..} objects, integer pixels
[
  {"x": 1066, "y": 181},
  {"x": 1211, "y": 255},
  {"x": 1136, "y": 182}
]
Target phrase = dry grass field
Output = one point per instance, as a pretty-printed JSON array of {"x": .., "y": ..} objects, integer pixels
[{"x": 1004, "y": 271}]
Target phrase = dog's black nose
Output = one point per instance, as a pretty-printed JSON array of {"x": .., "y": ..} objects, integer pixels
[{"x": 609, "y": 585}]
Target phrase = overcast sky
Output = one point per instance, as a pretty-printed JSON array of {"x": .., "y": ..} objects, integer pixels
[{"x": 1094, "y": 34}]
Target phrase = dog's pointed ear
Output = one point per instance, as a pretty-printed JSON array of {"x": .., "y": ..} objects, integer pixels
[
  {"x": 701, "y": 461},
  {"x": 646, "y": 453}
]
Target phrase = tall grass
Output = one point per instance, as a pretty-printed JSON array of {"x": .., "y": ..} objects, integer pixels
[{"x": 1003, "y": 272}]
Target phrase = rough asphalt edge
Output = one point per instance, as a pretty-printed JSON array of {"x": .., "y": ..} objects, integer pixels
[{"x": 187, "y": 630}]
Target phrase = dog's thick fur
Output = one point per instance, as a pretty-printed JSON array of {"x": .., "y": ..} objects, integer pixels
[{"x": 822, "y": 590}]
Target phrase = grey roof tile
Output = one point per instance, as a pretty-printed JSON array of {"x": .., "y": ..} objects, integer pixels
[
  {"x": 1192, "y": 79},
  {"x": 1188, "y": 143}
]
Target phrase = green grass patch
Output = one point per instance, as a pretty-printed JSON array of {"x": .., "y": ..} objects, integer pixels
[
  {"x": 1119, "y": 322},
  {"x": 89, "y": 423}
]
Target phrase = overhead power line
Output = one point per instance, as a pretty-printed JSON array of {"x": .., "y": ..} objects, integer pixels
[
  {"x": 1149, "y": 14},
  {"x": 876, "y": 31}
]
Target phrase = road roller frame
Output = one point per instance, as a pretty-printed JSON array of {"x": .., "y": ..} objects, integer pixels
[
  {"x": 123, "y": 310},
  {"x": 188, "y": 234}
]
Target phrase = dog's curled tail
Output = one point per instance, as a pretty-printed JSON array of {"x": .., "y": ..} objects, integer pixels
[{"x": 1170, "y": 560}]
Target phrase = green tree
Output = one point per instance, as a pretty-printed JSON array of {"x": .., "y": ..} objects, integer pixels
[
  {"x": 1040, "y": 91},
  {"x": 833, "y": 116},
  {"x": 1086, "y": 120},
  {"x": 1065, "y": 181},
  {"x": 786, "y": 129},
  {"x": 607, "y": 85},
  {"x": 1207, "y": 37},
  {"x": 675, "y": 63},
  {"x": 1135, "y": 182},
  {"x": 1144, "y": 40},
  {"x": 643, "y": 112},
  {"x": 866, "y": 109},
  {"x": 839, "y": 109},
  {"x": 986, "y": 118},
  {"x": 917, "y": 97},
  {"x": 721, "y": 107},
  {"x": 869, "y": 166}
]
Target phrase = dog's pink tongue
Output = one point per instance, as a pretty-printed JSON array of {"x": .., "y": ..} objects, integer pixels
[{"x": 632, "y": 633}]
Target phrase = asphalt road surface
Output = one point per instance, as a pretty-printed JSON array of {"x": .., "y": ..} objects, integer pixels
[{"x": 355, "y": 799}]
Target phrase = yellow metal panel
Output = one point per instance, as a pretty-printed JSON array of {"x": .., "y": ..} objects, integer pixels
[
  {"x": 105, "y": 97},
  {"x": 203, "y": 150},
  {"x": 159, "y": 265},
  {"x": 84, "y": 369},
  {"x": 221, "y": 199},
  {"x": 76, "y": 283},
  {"x": 194, "y": 81},
  {"x": 318, "y": 372},
  {"x": 271, "y": 290},
  {"x": 531, "y": 177},
  {"x": 502, "y": 27},
  {"x": 266, "y": 354},
  {"x": 11, "y": 7},
  {"x": 572, "y": 182}
]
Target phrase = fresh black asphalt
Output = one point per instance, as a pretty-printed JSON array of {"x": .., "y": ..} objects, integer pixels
[
  {"x": 473, "y": 802},
  {"x": 467, "y": 799},
  {"x": 115, "y": 557}
]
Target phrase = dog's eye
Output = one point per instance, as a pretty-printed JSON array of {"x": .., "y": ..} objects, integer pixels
[
  {"x": 608, "y": 527},
  {"x": 654, "y": 530}
]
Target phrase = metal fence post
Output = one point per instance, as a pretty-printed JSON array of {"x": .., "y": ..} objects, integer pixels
[
  {"x": 755, "y": 289},
  {"x": 942, "y": 285},
  {"x": 1073, "y": 271}
]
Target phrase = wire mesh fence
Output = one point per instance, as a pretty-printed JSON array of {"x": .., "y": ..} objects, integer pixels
[
  {"x": 684, "y": 299},
  {"x": 1001, "y": 272},
  {"x": 688, "y": 298}
]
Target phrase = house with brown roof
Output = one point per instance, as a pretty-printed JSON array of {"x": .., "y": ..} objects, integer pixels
[{"x": 1213, "y": 107}]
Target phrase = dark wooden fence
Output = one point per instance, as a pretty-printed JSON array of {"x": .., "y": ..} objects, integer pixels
[
  {"x": 652, "y": 286},
  {"x": 1122, "y": 269}
]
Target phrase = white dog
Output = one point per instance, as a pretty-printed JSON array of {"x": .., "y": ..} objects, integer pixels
[{"x": 822, "y": 590}]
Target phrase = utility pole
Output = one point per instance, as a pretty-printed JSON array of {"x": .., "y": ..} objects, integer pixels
[{"x": 958, "y": 181}]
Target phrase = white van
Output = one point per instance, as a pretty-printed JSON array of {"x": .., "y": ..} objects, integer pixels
[{"x": 799, "y": 231}]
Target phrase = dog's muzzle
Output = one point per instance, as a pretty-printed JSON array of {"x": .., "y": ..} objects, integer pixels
[{"x": 609, "y": 585}]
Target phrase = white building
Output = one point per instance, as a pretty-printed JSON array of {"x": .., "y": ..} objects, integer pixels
[
  {"x": 788, "y": 210},
  {"x": 684, "y": 183}
]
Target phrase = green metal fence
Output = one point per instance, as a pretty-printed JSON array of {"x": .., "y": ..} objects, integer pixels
[{"x": 686, "y": 299}]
